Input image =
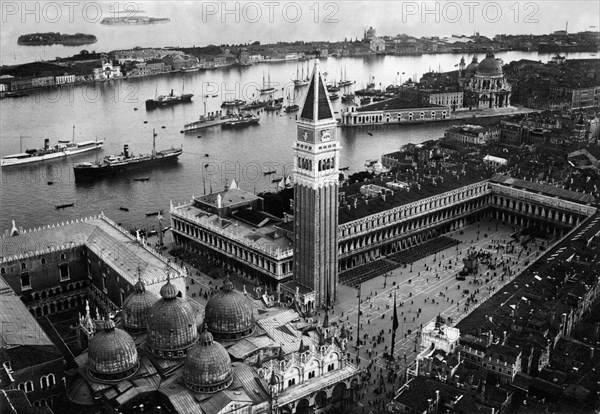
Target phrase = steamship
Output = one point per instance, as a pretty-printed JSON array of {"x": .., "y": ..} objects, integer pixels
[
  {"x": 62, "y": 149},
  {"x": 126, "y": 161}
]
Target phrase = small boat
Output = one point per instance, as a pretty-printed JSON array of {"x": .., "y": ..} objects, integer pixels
[
  {"x": 273, "y": 106},
  {"x": 123, "y": 209},
  {"x": 269, "y": 172},
  {"x": 370, "y": 134},
  {"x": 292, "y": 108},
  {"x": 254, "y": 105},
  {"x": 276, "y": 180},
  {"x": 50, "y": 182},
  {"x": 145, "y": 122},
  {"x": 141, "y": 179},
  {"x": 135, "y": 109},
  {"x": 344, "y": 168},
  {"x": 154, "y": 213},
  {"x": 60, "y": 206},
  {"x": 206, "y": 155},
  {"x": 215, "y": 95},
  {"x": 233, "y": 103},
  {"x": 241, "y": 121},
  {"x": 334, "y": 96}
]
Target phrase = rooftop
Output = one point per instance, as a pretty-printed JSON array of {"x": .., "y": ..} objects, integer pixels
[
  {"x": 229, "y": 198},
  {"x": 265, "y": 238},
  {"x": 395, "y": 103},
  {"x": 544, "y": 189},
  {"x": 113, "y": 244}
]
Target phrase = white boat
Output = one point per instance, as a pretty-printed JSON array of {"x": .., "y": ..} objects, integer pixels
[{"x": 62, "y": 149}]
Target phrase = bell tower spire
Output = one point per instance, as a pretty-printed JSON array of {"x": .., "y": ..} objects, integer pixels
[{"x": 316, "y": 180}]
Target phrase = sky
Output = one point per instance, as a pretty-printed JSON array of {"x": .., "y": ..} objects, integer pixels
[{"x": 229, "y": 22}]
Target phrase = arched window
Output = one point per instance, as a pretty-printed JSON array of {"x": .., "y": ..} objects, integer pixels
[
  {"x": 29, "y": 386},
  {"x": 51, "y": 380},
  {"x": 63, "y": 256},
  {"x": 43, "y": 382},
  {"x": 23, "y": 266},
  {"x": 2, "y": 271},
  {"x": 43, "y": 260}
]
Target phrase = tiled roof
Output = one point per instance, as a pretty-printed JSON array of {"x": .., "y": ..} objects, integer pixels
[
  {"x": 543, "y": 188},
  {"x": 114, "y": 245}
]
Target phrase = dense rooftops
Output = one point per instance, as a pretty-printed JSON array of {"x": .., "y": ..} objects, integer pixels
[
  {"x": 395, "y": 103},
  {"x": 544, "y": 189}
]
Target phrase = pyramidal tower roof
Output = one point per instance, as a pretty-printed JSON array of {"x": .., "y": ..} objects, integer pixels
[{"x": 316, "y": 105}]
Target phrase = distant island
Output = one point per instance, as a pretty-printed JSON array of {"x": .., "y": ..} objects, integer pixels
[
  {"x": 140, "y": 20},
  {"x": 55, "y": 38}
]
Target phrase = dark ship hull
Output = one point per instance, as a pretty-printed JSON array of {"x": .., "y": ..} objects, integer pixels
[
  {"x": 88, "y": 171},
  {"x": 172, "y": 100}
]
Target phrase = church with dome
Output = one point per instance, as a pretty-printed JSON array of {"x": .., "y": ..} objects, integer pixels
[
  {"x": 223, "y": 361},
  {"x": 484, "y": 83},
  {"x": 168, "y": 353}
]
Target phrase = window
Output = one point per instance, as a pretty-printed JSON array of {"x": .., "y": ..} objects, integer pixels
[
  {"x": 25, "y": 281},
  {"x": 330, "y": 367},
  {"x": 63, "y": 270},
  {"x": 63, "y": 256},
  {"x": 311, "y": 374},
  {"x": 43, "y": 260},
  {"x": 2, "y": 271},
  {"x": 291, "y": 382},
  {"x": 28, "y": 386},
  {"x": 104, "y": 282},
  {"x": 23, "y": 266}
]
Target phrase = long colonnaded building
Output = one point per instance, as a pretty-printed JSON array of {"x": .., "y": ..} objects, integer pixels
[{"x": 383, "y": 225}]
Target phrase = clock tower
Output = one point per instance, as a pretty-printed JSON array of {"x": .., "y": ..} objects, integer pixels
[{"x": 316, "y": 180}]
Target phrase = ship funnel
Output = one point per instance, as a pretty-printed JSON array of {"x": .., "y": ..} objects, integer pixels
[
  {"x": 126, "y": 151},
  {"x": 46, "y": 143}
]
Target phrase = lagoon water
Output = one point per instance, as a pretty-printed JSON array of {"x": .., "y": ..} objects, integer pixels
[{"x": 107, "y": 111}]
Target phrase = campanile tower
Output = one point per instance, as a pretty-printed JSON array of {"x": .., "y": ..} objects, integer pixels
[{"x": 316, "y": 178}]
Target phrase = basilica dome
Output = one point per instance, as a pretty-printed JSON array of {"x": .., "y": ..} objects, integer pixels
[
  {"x": 490, "y": 66},
  {"x": 136, "y": 307},
  {"x": 171, "y": 324},
  {"x": 112, "y": 355},
  {"x": 207, "y": 366},
  {"x": 228, "y": 315},
  {"x": 472, "y": 67}
]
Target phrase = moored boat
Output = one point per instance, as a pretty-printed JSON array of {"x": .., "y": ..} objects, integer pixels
[
  {"x": 114, "y": 164},
  {"x": 168, "y": 100},
  {"x": 62, "y": 149},
  {"x": 241, "y": 121}
]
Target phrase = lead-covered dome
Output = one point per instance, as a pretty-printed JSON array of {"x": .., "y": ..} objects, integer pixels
[
  {"x": 112, "y": 355},
  {"x": 136, "y": 307},
  {"x": 490, "y": 66},
  {"x": 171, "y": 324},
  {"x": 472, "y": 67},
  {"x": 228, "y": 315},
  {"x": 207, "y": 366}
]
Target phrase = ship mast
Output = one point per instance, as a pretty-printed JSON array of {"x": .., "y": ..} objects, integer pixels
[
  {"x": 73, "y": 140},
  {"x": 153, "y": 142},
  {"x": 21, "y": 143}
]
